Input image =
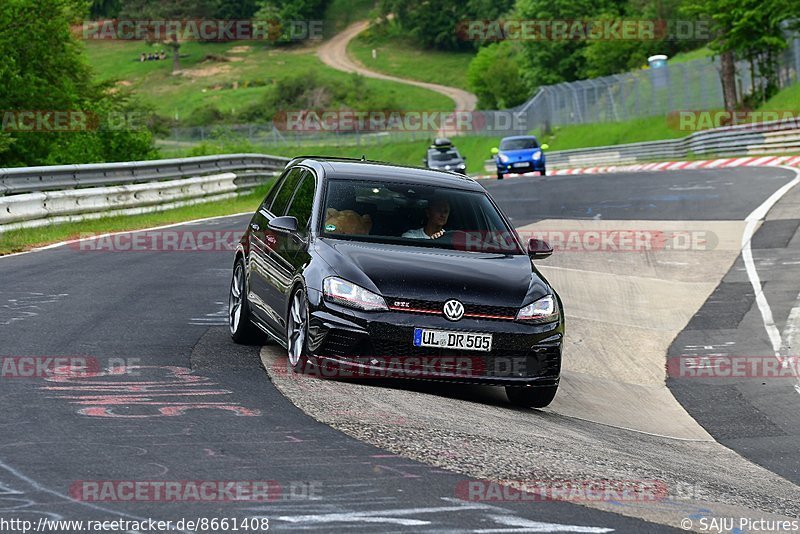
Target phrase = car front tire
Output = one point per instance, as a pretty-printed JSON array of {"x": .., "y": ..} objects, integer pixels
[
  {"x": 531, "y": 397},
  {"x": 297, "y": 331},
  {"x": 543, "y": 172},
  {"x": 499, "y": 175},
  {"x": 241, "y": 326}
]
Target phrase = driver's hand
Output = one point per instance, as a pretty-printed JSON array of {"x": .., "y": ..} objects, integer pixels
[{"x": 438, "y": 234}]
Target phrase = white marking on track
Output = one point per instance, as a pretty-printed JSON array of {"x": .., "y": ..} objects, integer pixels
[
  {"x": 24, "y": 305},
  {"x": 38, "y": 487},
  {"x": 791, "y": 338},
  {"x": 217, "y": 318},
  {"x": 752, "y": 221},
  {"x": 519, "y": 524},
  {"x": 400, "y": 517}
]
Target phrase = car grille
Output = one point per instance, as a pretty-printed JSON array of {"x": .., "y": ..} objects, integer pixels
[
  {"x": 541, "y": 361},
  {"x": 472, "y": 311}
]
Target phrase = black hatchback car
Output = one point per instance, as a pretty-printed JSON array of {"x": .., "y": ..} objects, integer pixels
[
  {"x": 397, "y": 271},
  {"x": 443, "y": 156}
]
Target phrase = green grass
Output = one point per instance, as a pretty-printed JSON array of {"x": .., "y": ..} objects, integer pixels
[
  {"x": 697, "y": 53},
  {"x": 27, "y": 238},
  {"x": 210, "y": 81},
  {"x": 786, "y": 100},
  {"x": 400, "y": 57},
  {"x": 610, "y": 133}
]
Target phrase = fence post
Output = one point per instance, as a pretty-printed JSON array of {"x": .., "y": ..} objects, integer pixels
[{"x": 796, "y": 54}]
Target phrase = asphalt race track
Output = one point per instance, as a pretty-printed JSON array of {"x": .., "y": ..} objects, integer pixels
[{"x": 194, "y": 406}]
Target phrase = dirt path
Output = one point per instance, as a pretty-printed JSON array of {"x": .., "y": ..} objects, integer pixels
[{"x": 334, "y": 54}]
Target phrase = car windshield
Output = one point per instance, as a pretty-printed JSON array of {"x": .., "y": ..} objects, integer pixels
[
  {"x": 415, "y": 214},
  {"x": 519, "y": 144},
  {"x": 438, "y": 155}
]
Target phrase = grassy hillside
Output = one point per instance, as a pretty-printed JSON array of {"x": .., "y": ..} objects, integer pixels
[
  {"x": 230, "y": 76},
  {"x": 786, "y": 100},
  {"x": 400, "y": 57},
  {"x": 612, "y": 133}
]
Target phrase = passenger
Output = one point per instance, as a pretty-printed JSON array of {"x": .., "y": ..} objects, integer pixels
[{"x": 436, "y": 215}]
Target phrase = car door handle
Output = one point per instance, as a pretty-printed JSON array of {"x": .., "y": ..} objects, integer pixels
[{"x": 255, "y": 227}]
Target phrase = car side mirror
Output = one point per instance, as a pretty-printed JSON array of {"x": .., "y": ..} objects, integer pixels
[
  {"x": 539, "y": 249},
  {"x": 286, "y": 224},
  {"x": 495, "y": 150},
  {"x": 545, "y": 146},
  {"x": 464, "y": 158}
]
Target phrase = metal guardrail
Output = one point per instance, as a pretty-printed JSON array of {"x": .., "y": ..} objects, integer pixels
[
  {"x": 58, "y": 177},
  {"x": 742, "y": 140},
  {"x": 37, "y": 196}
]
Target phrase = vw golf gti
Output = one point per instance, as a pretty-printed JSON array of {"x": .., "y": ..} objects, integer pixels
[{"x": 398, "y": 271}]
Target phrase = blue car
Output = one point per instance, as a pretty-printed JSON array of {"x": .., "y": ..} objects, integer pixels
[{"x": 519, "y": 154}]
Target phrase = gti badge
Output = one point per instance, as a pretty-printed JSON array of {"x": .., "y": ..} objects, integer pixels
[{"x": 453, "y": 310}]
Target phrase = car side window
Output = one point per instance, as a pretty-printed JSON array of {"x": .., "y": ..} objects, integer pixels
[
  {"x": 303, "y": 202},
  {"x": 287, "y": 188}
]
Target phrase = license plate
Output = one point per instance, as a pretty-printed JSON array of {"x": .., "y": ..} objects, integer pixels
[
  {"x": 452, "y": 340},
  {"x": 516, "y": 165}
]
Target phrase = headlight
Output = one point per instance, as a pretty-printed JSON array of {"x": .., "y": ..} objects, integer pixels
[
  {"x": 350, "y": 295},
  {"x": 462, "y": 167},
  {"x": 503, "y": 158},
  {"x": 537, "y": 155},
  {"x": 543, "y": 310}
]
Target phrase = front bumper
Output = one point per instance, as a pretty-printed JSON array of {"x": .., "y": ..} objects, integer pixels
[
  {"x": 530, "y": 166},
  {"x": 350, "y": 343}
]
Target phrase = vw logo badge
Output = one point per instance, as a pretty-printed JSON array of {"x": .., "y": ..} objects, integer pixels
[{"x": 453, "y": 310}]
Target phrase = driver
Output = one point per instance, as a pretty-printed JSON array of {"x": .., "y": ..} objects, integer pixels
[{"x": 436, "y": 215}]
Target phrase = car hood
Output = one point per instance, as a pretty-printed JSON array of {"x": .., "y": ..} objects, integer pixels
[
  {"x": 520, "y": 155},
  {"x": 436, "y": 274}
]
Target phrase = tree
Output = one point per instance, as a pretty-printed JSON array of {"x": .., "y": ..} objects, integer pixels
[
  {"x": 745, "y": 29},
  {"x": 44, "y": 70},
  {"x": 548, "y": 61},
  {"x": 280, "y": 14},
  {"x": 435, "y": 23},
  {"x": 494, "y": 77}
]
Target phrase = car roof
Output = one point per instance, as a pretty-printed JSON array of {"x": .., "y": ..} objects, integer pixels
[
  {"x": 351, "y": 169},
  {"x": 519, "y": 137}
]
